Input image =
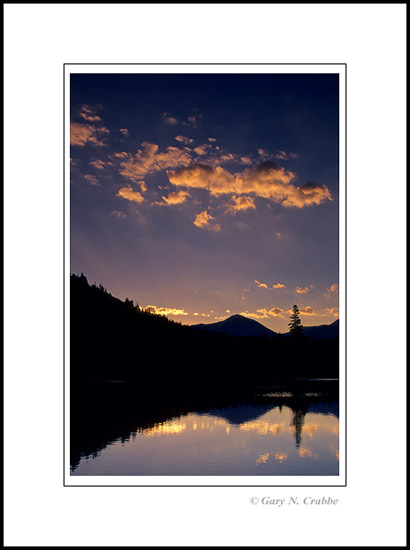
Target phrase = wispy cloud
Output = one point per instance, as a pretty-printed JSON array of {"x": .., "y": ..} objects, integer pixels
[
  {"x": 92, "y": 180},
  {"x": 260, "y": 285},
  {"x": 334, "y": 311},
  {"x": 282, "y": 155},
  {"x": 333, "y": 288},
  {"x": 124, "y": 132},
  {"x": 184, "y": 140},
  {"x": 307, "y": 311},
  {"x": 89, "y": 114},
  {"x": 130, "y": 195},
  {"x": 176, "y": 197},
  {"x": 275, "y": 286},
  {"x": 300, "y": 290},
  {"x": 99, "y": 164},
  {"x": 264, "y": 313},
  {"x": 246, "y": 160},
  {"x": 166, "y": 310},
  {"x": 191, "y": 121},
  {"x": 118, "y": 214},
  {"x": 169, "y": 120},
  {"x": 206, "y": 221}
]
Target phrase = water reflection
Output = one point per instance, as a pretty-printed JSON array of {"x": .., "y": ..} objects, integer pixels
[{"x": 244, "y": 440}]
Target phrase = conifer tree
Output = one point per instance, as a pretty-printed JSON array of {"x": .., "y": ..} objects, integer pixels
[{"x": 295, "y": 324}]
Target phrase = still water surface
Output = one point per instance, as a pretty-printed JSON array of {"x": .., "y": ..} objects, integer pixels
[{"x": 238, "y": 440}]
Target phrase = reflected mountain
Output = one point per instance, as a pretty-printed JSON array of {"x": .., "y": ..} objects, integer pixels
[
  {"x": 238, "y": 414},
  {"x": 103, "y": 413}
]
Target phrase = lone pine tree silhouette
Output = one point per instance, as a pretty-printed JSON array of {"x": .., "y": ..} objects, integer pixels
[{"x": 295, "y": 324}]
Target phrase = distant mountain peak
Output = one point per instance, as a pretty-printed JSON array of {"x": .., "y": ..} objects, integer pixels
[{"x": 237, "y": 325}]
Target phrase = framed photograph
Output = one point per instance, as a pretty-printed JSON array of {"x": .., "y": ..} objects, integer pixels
[
  {"x": 205, "y": 271},
  {"x": 205, "y": 287}
]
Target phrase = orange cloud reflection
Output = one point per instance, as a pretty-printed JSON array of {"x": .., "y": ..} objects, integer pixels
[{"x": 165, "y": 428}]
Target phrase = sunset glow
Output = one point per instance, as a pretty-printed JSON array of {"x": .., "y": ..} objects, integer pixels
[{"x": 208, "y": 194}]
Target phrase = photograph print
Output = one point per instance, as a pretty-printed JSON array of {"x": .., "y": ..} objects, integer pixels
[{"x": 203, "y": 213}]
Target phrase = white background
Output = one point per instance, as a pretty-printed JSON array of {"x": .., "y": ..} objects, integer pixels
[{"x": 39, "y": 38}]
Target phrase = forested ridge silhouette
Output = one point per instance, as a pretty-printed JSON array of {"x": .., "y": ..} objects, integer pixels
[{"x": 115, "y": 340}]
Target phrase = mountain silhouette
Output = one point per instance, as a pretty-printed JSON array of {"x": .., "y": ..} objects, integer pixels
[
  {"x": 323, "y": 331},
  {"x": 237, "y": 325}
]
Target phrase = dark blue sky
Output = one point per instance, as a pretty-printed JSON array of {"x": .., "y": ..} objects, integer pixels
[{"x": 204, "y": 195}]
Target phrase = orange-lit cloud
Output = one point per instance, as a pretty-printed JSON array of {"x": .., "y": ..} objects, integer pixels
[
  {"x": 240, "y": 203},
  {"x": 165, "y": 310},
  {"x": 264, "y": 313},
  {"x": 331, "y": 311},
  {"x": 282, "y": 155},
  {"x": 124, "y": 132},
  {"x": 267, "y": 180},
  {"x": 276, "y": 286},
  {"x": 202, "y": 149},
  {"x": 307, "y": 311},
  {"x": 184, "y": 140},
  {"x": 300, "y": 290},
  {"x": 150, "y": 160},
  {"x": 88, "y": 114},
  {"x": 333, "y": 288},
  {"x": 206, "y": 221},
  {"x": 169, "y": 120},
  {"x": 83, "y": 134},
  {"x": 246, "y": 160},
  {"x": 176, "y": 197},
  {"x": 92, "y": 180},
  {"x": 130, "y": 195},
  {"x": 211, "y": 139},
  {"x": 307, "y": 194},
  {"x": 97, "y": 164}
]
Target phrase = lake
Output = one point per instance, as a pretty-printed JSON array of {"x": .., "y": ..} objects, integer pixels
[{"x": 279, "y": 433}]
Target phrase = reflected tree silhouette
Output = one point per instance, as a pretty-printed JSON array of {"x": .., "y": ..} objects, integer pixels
[{"x": 297, "y": 422}]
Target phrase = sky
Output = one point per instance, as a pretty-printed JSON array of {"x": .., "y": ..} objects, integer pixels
[{"x": 201, "y": 196}]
